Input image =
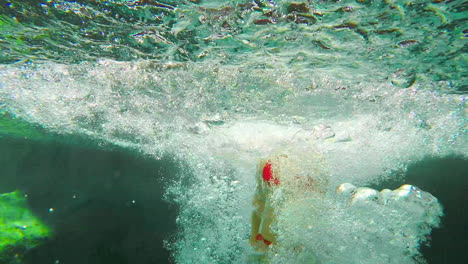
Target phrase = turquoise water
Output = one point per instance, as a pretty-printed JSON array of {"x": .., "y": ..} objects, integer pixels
[
  {"x": 195, "y": 93},
  {"x": 410, "y": 41}
]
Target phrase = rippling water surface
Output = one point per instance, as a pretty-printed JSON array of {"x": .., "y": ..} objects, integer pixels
[{"x": 207, "y": 88}]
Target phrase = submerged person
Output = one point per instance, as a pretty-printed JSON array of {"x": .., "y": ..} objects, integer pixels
[
  {"x": 279, "y": 182},
  {"x": 262, "y": 236}
]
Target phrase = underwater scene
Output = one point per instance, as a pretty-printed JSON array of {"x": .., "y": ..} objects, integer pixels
[{"x": 233, "y": 131}]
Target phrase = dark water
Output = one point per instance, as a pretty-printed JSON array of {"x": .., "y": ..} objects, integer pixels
[{"x": 92, "y": 191}]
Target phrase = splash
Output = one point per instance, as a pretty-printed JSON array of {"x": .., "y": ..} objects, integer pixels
[{"x": 221, "y": 120}]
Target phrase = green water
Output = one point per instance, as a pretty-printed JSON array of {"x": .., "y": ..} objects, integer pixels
[{"x": 142, "y": 122}]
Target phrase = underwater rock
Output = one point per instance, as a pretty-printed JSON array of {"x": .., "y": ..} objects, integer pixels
[{"x": 20, "y": 230}]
